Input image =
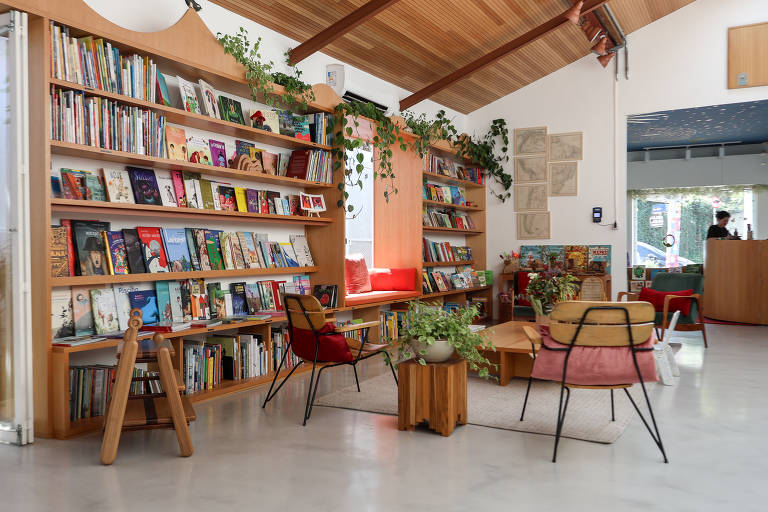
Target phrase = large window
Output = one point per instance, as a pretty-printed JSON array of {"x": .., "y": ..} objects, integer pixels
[
  {"x": 685, "y": 214},
  {"x": 359, "y": 226}
]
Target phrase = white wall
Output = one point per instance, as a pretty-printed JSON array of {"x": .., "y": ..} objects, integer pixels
[
  {"x": 677, "y": 62},
  {"x": 155, "y": 15}
]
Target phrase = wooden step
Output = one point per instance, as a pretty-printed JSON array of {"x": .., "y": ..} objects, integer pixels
[{"x": 154, "y": 412}]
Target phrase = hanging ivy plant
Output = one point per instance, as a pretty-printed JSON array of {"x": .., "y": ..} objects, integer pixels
[
  {"x": 483, "y": 153},
  {"x": 428, "y": 131}
]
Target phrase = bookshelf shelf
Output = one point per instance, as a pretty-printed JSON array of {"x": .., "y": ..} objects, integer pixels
[
  {"x": 232, "y": 386},
  {"x": 174, "y": 276},
  {"x": 454, "y": 230},
  {"x": 447, "y": 263},
  {"x": 448, "y": 179},
  {"x": 123, "y": 157},
  {"x": 455, "y": 292},
  {"x": 199, "y": 121},
  {"x": 172, "y": 212},
  {"x": 440, "y": 204}
]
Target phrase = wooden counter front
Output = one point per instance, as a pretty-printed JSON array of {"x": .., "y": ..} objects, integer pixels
[{"x": 736, "y": 281}]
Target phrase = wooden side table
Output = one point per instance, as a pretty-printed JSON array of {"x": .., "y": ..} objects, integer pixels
[{"x": 435, "y": 393}]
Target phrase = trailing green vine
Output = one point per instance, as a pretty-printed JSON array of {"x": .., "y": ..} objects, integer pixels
[{"x": 483, "y": 153}]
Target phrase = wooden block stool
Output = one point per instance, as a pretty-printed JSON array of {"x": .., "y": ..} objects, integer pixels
[
  {"x": 168, "y": 409},
  {"x": 435, "y": 393}
]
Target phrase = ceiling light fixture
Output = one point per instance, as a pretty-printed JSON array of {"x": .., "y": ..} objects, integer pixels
[
  {"x": 593, "y": 33},
  {"x": 574, "y": 13},
  {"x": 602, "y": 46},
  {"x": 605, "y": 59}
]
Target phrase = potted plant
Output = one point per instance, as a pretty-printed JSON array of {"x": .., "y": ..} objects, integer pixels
[
  {"x": 431, "y": 335},
  {"x": 546, "y": 289}
]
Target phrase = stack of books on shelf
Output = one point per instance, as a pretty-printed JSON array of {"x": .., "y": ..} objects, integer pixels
[
  {"x": 280, "y": 341},
  {"x": 89, "y": 387},
  {"x": 444, "y": 252},
  {"x": 464, "y": 278},
  {"x": 135, "y": 185},
  {"x": 203, "y": 364},
  {"x": 447, "y": 167},
  {"x": 392, "y": 323},
  {"x": 444, "y": 194},
  {"x": 210, "y": 360},
  {"x": 446, "y": 218},
  {"x": 89, "y": 248}
]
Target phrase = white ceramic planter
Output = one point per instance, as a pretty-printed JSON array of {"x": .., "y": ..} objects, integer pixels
[{"x": 438, "y": 352}]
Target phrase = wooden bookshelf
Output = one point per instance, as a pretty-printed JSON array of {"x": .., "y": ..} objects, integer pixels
[
  {"x": 455, "y": 230},
  {"x": 440, "y": 204},
  {"x": 175, "y": 276},
  {"x": 449, "y": 179},
  {"x": 455, "y": 292},
  {"x": 447, "y": 263}
]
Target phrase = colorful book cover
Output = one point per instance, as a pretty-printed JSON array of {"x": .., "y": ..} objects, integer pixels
[
  {"x": 599, "y": 260},
  {"x": 638, "y": 272},
  {"x": 214, "y": 253},
  {"x": 162, "y": 90},
  {"x": 252, "y": 298},
  {"x": 252, "y": 200},
  {"x": 240, "y": 199},
  {"x": 177, "y": 309},
  {"x": 192, "y": 190},
  {"x": 134, "y": 252},
  {"x": 293, "y": 205},
  {"x": 81, "y": 310},
  {"x": 269, "y": 161},
  {"x": 73, "y": 182},
  {"x": 227, "y": 241},
  {"x": 223, "y": 103},
  {"x": 576, "y": 257},
  {"x": 289, "y": 254},
  {"x": 59, "y": 252},
  {"x": 286, "y": 123},
  {"x": 213, "y": 289},
  {"x": 152, "y": 249},
  {"x": 176, "y": 143},
  {"x": 192, "y": 246},
  {"x": 271, "y": 121},
  {"x": 56, "y": 192},
  {"x": 209, "y": 100},
  {"x": 62, "y": 323},
  {"x": 326, "y": 294},
  {"x": 145, "y": 190},
  {"x": 188, "y": 96},
  {"x": 227, "y": 198},
  {"x": 167, "y": 190},
  {"x": 178, "y": 188},
  {"x": 555, "y": 258},
  {"x": 235, "y": 112},
  {"x": 206, "y": 192},
  {"x": 301, "y": 127},
  {"x": 237, "y": 252},
  {"x": 243, "y": 147},
  {"x": 177, "y": 250},
  {"x": 202, "y": 249},
  {"x": 239, "y": 302},
  {"x": 95, "y": 188},
  {"x": 89, "y": 244},
  {"x": 198, "y": 150},
  {"x": 146, "y": 301},
  {"x": 531, "y": 257},
  {"x": 123, "y": 303},
  {"x": 186, "y": 300},
  {"x": 199, "y": 300},
  {"x": 218, "y": 153},
  {"x": 117, "y": 256},
  {"x": 249, "y": 249},
  {"x": 163, "y": 294},
  {"x": 301, "y": 248},
  {"x": 104, "y": 310}
]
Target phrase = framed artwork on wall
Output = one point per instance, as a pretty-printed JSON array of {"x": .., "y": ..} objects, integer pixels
[
  {"x": 563, "y": 178},
  {"x": 530, "y": 169},
  {"x": 565, "y": 146},
  {"x": 533, "y": 225},
  {"x": 531, "y": 197},
  {"x": 530, "y": 141}
]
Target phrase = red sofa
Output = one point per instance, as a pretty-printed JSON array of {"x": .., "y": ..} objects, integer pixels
[{"x": 366, "y": 286}]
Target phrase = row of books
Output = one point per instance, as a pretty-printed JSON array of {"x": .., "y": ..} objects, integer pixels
[
  {"x": 134, "y": 185},
  {"x": 95, "y": 63},
  {"x": 464, "y": 278},
  {"x": 444, "y": 251},
  {"x": 391, "y": 324},
  {"x": 104, "y": 123},
  {"x": 167, "y": 306},
  {"x": 447, "y": 167},
  {"x": 280, "y": 341},
  {"x": 89, "y": 388},
  {"x": 444, "y": 194},
  {"x": 437, "y": 218},
  {"x": 87, "y": 248},
  {"x": 588, "y": 259}
]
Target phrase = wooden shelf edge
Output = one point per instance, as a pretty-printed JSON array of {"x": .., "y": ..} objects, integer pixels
[
  {"x": 447, "y": 263},
  {"x": 175, "y": 276},
  {"x": 450, "y": 179},
  {"x": 454, "y": 230},
  {"x": 124, "y": 157},
  {"x": 142, "y": 210},
  {"x": 438, "y": 204},
  {"x": 455, "y": 292}
]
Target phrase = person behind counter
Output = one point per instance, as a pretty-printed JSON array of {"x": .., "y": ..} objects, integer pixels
[{"x": 719, "y": 230}]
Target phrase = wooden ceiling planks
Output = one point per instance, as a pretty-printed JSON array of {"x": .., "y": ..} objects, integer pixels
[{"x": 413, "y": 43}]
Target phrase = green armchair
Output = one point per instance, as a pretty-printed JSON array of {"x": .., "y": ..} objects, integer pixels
[{"x": 670, "y": 282}]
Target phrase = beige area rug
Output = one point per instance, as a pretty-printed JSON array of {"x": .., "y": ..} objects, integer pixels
[{"x": 490, "y": 405}]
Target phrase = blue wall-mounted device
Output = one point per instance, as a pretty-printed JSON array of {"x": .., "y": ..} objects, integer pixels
[{"x": 597, "y": 214}]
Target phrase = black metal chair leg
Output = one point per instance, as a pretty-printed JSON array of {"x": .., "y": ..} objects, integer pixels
[
  {"x": 657, "y": 437},
  {"x": 309, "y": 393},
  {"x": 525, "y": 400},
  {"x": 561, "y": 418},
  {"x": 357, "y": 381},
  {"x": 391, "y": 366},
  {"x": 314, "y": 392},
  {"x": 613, "y": 410},
  {"x": 270, "y": 396}
]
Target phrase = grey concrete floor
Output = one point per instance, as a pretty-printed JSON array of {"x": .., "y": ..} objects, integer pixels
[{"x": 714, "y": 424}]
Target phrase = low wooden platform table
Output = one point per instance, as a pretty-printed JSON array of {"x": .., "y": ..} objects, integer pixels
[
  {"x": 435, "y": 393},
  {"x": 513, "y": 350}
]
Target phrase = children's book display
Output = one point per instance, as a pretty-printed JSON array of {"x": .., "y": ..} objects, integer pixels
[
  {"x": 573, "y": 259},
  {"x": 464, "y": 278}
]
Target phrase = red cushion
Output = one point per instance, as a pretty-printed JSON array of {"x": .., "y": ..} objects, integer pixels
[
  {"x": 333, "y": 347},
  {"x": 393, "y": 279},
  {"x": 356, "y": 274},
  {"x": 656, "y": 298},
  {"x": 521, "y": 285}
]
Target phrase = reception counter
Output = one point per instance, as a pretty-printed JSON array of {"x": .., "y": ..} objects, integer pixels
[{"x": 736, "y": 281}]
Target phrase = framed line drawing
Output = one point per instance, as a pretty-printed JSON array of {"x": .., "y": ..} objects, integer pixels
[
  {"x": 563, "y": 178},
  {"x": 533, "y": 225},
  {"x": 530, "y": 141},
  {"x": 530, "y": 169},
  {"x": 565, "y": 146},
  {"x": 532, "y": 197}
]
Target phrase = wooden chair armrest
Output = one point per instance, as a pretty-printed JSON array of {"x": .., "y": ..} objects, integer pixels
[
  {"x": 631, "y": 297},
  {"x": 534, "y": 337},
  {"x": 356, "y": 327},
  {"x": 665, "y": 312}
]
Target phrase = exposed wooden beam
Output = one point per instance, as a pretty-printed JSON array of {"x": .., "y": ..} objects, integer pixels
[
  {"x": 490, "y": 58},
  {"x": 338, "y": 29}
]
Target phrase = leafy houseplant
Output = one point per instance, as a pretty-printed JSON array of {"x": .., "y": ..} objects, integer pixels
[
  {"x": 430, "y": 326},
  {"x": 546, "y": 289}
]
